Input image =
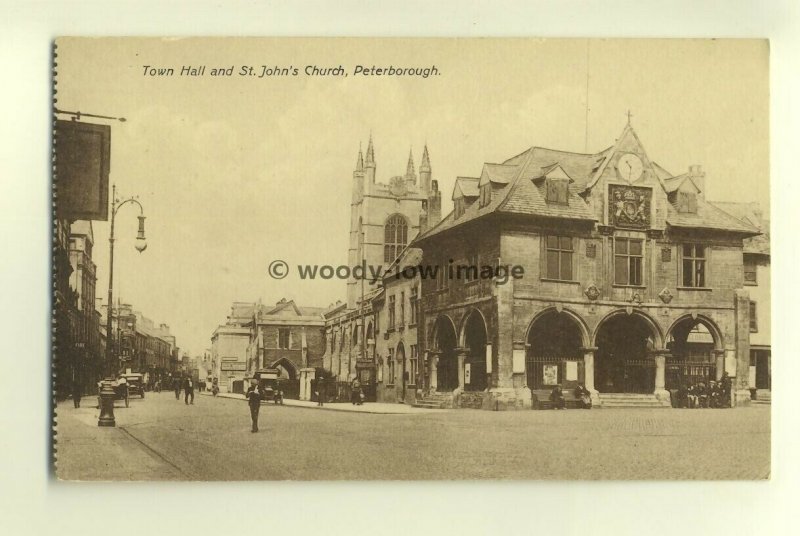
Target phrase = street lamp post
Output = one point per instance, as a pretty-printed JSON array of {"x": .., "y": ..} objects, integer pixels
[{"x": 107, "y": 393}]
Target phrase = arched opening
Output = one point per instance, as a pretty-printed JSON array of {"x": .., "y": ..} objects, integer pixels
[
  {"x": 475, "y": 360},
  {"x": 395, "y": 237},
  {"x": 444, "y": 344},
  {"x": 553, "y": 353},
  {"x": 286, "y": 369},
  {"x": 625, "y": 363},
  {"x": 691, "y": 343}
]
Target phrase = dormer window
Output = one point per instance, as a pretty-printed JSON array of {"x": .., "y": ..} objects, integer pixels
[
  {"x": 485, "y": 194},
  {"x": 687, "y": 202},
  {"x": 557, "y": 190},
  {"x": 459, "y": 207}
]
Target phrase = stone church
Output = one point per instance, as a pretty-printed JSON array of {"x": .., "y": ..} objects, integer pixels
[{"x": 363, "y": 335}]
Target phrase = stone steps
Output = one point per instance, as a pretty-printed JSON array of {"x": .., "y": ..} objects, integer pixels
[
  {"x": 763, "y": 396},
  {"x": 434, "y": 401},
  {"x": 631, "y": 400}
]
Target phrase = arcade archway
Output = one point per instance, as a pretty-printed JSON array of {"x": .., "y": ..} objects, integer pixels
[
  {"x": 554, "y": 343},
  {"x": 625, "y": 361},
  {"x": 474, "y": 336},
  {"x": 444, "y": 344},
  {"x": 694, "y": 345}
]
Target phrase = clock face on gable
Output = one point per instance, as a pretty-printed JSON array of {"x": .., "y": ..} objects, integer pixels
[{"x": 630, "y": 167}]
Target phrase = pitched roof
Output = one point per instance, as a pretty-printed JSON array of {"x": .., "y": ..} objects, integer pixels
[
  {"x": 708, "y": 216},
  {"x": 519, "y": 194},
  {"x": 408, "y": 257},
  {"x": 467, "y": 186},
  {"x": 497, "y": 173},
  {"x": 671, "y": 184},
  {"x": 751, "y": 214}
]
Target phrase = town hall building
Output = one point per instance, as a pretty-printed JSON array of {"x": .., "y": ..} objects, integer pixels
[{"x": 633, "y": 282}]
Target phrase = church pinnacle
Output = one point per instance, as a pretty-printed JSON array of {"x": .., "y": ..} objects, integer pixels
[
  {"x": 425, "y": 165},
  {"x": 410, "y": 167},
  {"x": 360, "y": 163},
  {"x": 370, "y": 153}
]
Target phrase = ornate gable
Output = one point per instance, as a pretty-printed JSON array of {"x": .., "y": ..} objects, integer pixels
[{"x": 626, "y": 191}]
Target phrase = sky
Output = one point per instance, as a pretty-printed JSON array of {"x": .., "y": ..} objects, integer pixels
[{"x": 234, "y": 172}]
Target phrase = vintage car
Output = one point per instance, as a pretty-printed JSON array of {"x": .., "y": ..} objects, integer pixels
[
  {"x": 269, "y": 382},
  {"x": 135, "y": 383}
]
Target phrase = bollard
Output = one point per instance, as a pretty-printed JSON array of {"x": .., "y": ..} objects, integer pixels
[{"x": 107, "y": 395}]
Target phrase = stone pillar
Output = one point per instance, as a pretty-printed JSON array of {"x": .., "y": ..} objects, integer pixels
[
  {"x": 719, "y": 356},
  {"x": 306, "y": 375},
  {"x": 462, "y": 357},
  {"x": 738, "y": 364},
  {"x": 661, "y": 362},
  {"x": 433, "y": 358},
  {"x": 588, "y": 369}
]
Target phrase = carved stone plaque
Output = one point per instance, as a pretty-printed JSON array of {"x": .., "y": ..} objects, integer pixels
[{"x": 629, "y": 206}]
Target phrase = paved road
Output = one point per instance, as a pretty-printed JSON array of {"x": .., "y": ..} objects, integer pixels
[{"x": 160, "y": 438}]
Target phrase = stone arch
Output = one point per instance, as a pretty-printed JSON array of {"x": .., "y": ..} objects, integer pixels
[
  {"x": 658, "y": 334},
  {"x": 473, "y": 339},
  {"x": 442, "y": 321},
  {"x": 462, "y": 331},
  {"x": 443, "y": 342},
  {"x": 627, "y": 342},
  {"x": 710, "y": 325},
  {"x": 553, "y": 348},
  {"x": 287, "y": 365},
  {"x": 692, "y": 358},
  {"x": 586, "y": 338}
]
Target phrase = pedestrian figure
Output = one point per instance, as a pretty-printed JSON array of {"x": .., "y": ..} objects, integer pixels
[
  {"x": 176, "y": 385},
  {"x": 584, "y": 396},
  {"x": 188, "y": 389},
  {"x": 254, "y": 396},
  {"x": 76, "y": 393},
  {"x": 320, "y": 391},
  {"x": 355, "y": 392},
  {"x": 557, "y": 398}
]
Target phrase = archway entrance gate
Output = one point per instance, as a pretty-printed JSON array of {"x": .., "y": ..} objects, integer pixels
[
  {"x": 695, "y": 353},
  {"x": 475, "y": 358},
  {"x": 625, "y": 361},
  {"x": 444, "y": 344},
  {"x": 553, "y": 352}
]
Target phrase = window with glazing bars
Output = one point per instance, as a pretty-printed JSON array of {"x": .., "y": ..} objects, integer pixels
[
  {"x": 694, "y": 265},
  {"x": 559, "y": 253},
  {"x": 627, "y": 261}
]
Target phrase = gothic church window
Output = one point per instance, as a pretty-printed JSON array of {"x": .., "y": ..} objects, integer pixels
[{"x": 395, "y": 237}]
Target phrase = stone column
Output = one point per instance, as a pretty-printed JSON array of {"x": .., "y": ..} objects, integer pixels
[
  {"x": 434, "y": 370},
  {"x": 660, "y": 368},
  {"x": 719, "y": 356},
  {"x": 588, "y": 368},
  {"x": 661, "y": 362},
  {"x": 588, "y": 374},
  {"x": 462, "y": 357}
]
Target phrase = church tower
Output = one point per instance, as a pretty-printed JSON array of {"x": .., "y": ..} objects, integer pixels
[{"x": 385, "y": 217}]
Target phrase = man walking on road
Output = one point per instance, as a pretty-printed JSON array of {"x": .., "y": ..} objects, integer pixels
[
  {"x": 188, "y": 388},
  {"x": 254, "y": 396},
  {"x": 176, "y": 384}
]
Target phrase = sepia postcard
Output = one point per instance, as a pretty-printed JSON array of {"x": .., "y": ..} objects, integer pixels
[{"x": 411, "y": 259}]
